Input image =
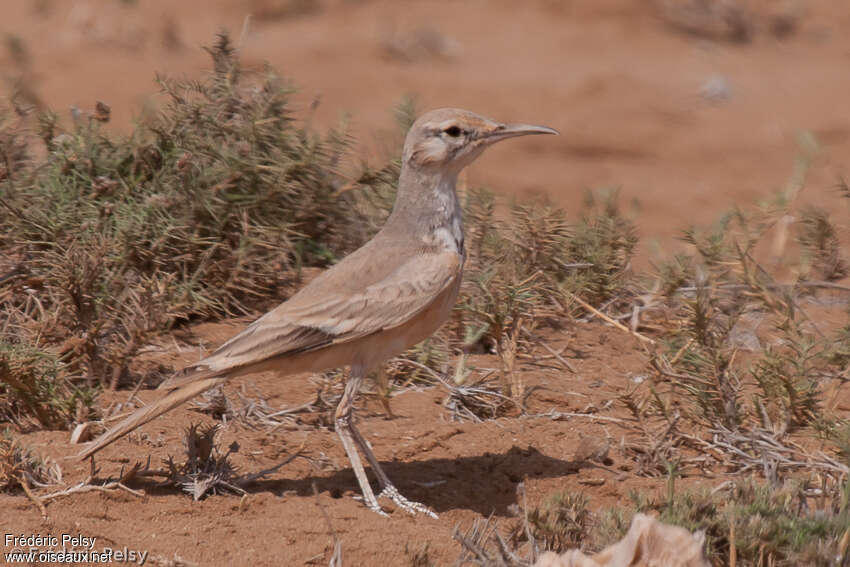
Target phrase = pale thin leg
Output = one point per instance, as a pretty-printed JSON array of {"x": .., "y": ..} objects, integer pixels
[
  {"x": 344, "y": 427},
  {"x": 388, "y": 490},
  {"x": 383, "y": 384}
]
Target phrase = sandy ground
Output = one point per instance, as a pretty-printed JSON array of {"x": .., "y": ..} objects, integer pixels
[
  {"x": 686, "y": 124},
  {"x": 462, "y": 470}
]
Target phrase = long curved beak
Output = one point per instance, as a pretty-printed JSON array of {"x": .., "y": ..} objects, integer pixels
[{"x": 504, "y": 131}]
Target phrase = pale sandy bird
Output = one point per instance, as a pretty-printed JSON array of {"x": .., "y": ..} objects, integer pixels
[{"x": 381, "y": 299}]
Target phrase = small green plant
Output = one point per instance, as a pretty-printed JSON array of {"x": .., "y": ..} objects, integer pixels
[
  {"x": 562, "y": 523},
  {"x": 19, "y": 467},
  {"x": 706, "y": 359},
  {"x": 602, "y": 243},
  {"x": 822, "y": 248},
  {"x": 32, "y": 386},
  {"x": 788, "y": 385}
]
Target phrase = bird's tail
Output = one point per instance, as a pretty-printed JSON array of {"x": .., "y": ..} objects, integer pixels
[
  {"x": 188, "y": 375},
  {"x": 154, "y": 410}
]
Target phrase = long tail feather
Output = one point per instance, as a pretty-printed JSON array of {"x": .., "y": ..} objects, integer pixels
[
  {"x": 188, "y": 375},
  {"x": 152, "y": 411}
]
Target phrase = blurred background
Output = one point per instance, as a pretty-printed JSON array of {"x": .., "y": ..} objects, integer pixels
[{"x": 689, "y": 106}]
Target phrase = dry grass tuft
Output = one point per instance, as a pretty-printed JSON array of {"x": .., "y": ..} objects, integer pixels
[
  {"x": 207, "y": 469},
  {"x": 19, "y": 468}
]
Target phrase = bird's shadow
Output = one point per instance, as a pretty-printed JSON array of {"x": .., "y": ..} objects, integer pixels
[{"x": 486, "y": 483}]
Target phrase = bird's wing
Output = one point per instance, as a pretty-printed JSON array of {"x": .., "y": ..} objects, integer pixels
[{"x": 331, "y": 312}]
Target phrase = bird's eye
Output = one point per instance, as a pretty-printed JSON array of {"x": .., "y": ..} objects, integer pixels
[{"x": 452, "y": 131}]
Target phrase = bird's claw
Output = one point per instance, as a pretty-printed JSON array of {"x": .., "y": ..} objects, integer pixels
[
  {"x": 379, "y": 511},
  {"x": 372, "y": 505}
]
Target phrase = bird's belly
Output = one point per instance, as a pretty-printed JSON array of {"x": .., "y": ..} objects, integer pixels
[{"x": 419, "y": 328}]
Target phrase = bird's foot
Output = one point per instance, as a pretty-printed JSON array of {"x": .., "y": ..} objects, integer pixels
[
  {"x": 378, "y": 510},
  {"x": 373, "y": 505},
  {"x": 408, "y": 506}
]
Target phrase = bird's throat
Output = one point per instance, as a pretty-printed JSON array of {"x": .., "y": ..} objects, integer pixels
[{"x": 427, "y": 208}]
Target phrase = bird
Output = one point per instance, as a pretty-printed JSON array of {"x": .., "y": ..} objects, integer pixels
[{"x": 386, "y": 296}]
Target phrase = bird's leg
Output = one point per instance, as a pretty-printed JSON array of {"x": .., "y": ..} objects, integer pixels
[
  {"x": 344, "y": 418},
  {"x": 383, "y": 384},
  {"x": 388, "y": 490}
]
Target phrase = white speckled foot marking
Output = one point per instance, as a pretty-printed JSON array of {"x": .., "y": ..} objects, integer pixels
[
  {"x": 408, "y": 506},
  {"x": 375, "y": 507}
]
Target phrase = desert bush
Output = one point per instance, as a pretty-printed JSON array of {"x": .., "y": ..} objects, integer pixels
[
  {"x": 506, "y": 287},
  {"x": 208, "y": 208},
  {"x": 32, "y": 387},
  {"x": 722, "y": 293},
  {"x": 602, "y": 243},
  {"x": 771, "y": 527},
  {"x": 746, "y": 524},
  {"x": 523, "y": 270}
]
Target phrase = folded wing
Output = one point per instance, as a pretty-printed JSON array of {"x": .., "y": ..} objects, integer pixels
[{"x": 329, "y": 312}]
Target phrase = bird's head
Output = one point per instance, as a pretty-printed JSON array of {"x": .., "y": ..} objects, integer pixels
[{"x": 451, "y": 138}]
